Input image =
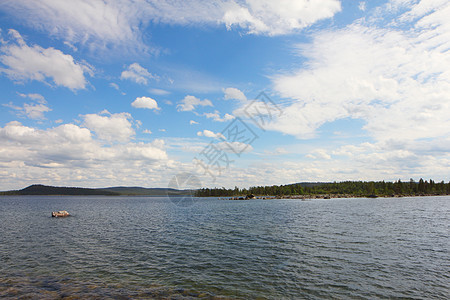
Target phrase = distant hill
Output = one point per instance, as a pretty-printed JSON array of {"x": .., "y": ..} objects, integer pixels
[
  {"x": 140, "y": 191},
  {"x": 309, "y": 184},
  {"x": 39, "y": 189}
]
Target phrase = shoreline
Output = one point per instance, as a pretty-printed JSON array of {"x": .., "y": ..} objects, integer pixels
[{"x": 322, "y": 196}]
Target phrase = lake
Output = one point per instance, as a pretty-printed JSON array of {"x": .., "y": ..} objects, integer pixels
[{"x": 148, "y": 247}]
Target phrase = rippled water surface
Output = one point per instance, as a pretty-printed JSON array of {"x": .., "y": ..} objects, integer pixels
[{"x": 142, "y": 247}]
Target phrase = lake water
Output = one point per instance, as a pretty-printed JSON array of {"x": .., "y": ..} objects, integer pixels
[{"x": 148, "y": 247}]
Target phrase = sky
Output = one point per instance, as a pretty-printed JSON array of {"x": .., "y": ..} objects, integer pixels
[{"x": 98, "y": 93}]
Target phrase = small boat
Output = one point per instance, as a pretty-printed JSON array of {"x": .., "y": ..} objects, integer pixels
[{"x": 60, "y": 214}]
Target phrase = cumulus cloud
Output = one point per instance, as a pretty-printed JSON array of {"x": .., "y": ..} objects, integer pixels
[
  {"x": 145, "y": 102},
  {"x": 192, "y": 122},
  {"x": 22, "y": 63},
  {"x": 190, "y": 102},
  {"x": 372, "y": 161},
  {"x": 235, "y": 94},
  {"x": 135, "y": 72},
  {"x": 110, "y": 127},
  {"x": 69, "y": 153},
  {"x": 31, "y": 110},
  {"x": 209, "y": 133},
  {"x": 396, "y": 79},
  {"x": 216, "y": 116}
]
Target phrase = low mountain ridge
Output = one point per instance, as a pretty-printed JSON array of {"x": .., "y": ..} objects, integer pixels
[{"x": 45, "y": 190}]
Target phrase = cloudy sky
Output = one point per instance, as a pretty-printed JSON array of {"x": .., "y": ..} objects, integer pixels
[{"x": 99, "y": 93}]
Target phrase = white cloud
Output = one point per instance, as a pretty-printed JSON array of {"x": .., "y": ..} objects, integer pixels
[
  {"x": 262, "y": 111},
  {"x": 70, "y": 155},
  {"x": 377, "y": 162},
  {"x": 276, "y": 152},
  {"x": 114, "y": 86},
  {"x": 362, "y": 6},
  {"x": 319, "y": 154},
  {"x": 118, "y": 24},
  {"x": 71, "y": 46},
  {"x": 92, "y": 23},
  {"x": 35, "y": 111},
  {"x": 352, "y": 150},
  {"x": 192, "y": 122},
  {"x": 278, "y": 17},
  {"x": 138, "y": 123},
  {"x": 394, "y": 78},
  {"x": 190, "y": 102},
  {"x": 110, "y": 127},
  {"x": 234, "y": 93},
  {"x": 159, "y": 92},
  {"x": 31, "y": 110},
  {"x": 235, "y": 147},
  {"x": 209, "y": 133},
  {"x": 216, "y": 116},
  {"x": 135, "y": 72},
  {"x": 145, "y": 102},
  {"x": 22, "y": 62},
  {"x": 147, "y": 131},
  {"x": 36, "y": 97},
  {"x": 141, "y": 151}
]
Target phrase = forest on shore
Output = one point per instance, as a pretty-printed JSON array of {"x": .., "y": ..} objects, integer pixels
[
  {"x": 345, "y": 188},
  {"x": 303, "y": 189}
]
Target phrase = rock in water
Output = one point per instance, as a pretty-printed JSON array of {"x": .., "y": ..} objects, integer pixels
[{"x": 59, "y": 214}]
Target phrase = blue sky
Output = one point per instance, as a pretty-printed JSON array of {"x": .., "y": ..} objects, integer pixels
[{"x": 108, "y": 93}]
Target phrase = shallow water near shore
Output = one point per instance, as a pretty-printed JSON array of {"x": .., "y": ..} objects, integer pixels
[{"x": 147, "y": 247}]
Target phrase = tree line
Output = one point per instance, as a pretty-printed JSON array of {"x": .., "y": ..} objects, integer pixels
[{"x": 353, "y": 188}]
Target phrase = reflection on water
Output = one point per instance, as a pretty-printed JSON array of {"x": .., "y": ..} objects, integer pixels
[{"x": 138, "y": 247}]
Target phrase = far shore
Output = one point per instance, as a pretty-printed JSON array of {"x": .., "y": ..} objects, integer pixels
[{"x": 324, "y": 196}]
